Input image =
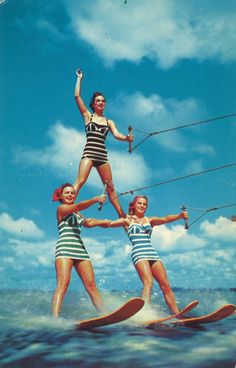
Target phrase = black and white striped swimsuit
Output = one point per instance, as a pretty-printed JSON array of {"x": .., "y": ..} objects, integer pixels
[{"x": 95, "y": 148}]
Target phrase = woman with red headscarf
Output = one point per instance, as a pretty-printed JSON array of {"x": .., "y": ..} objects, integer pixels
[
  {"x": 145, "y": 258},
  {"x": 97, "y": 127},
  {"x": 70, "y": 250}
]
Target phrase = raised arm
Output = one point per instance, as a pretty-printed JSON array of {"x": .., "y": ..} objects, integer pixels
[
  {"x": 81, "y": 105},
  {"x": 118, "y": 135},
  {"x": 65, "y": 209},
  {"x": 170, "y": 218},
  {"x": 89, "y": 202}
]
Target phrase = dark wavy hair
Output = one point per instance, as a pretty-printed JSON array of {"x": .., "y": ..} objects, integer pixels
[
  {"x": 132, "y": 204},
  {"x": 93, "y": 98}
]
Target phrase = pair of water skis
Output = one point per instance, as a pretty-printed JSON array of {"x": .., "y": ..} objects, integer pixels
[{"x": 134, "y": 305}]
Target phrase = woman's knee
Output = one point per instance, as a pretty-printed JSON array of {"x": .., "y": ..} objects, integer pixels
[
  {"x": 148, "y": 282},
  {"x": 110, "y": 186},
  {"x": 80, "y": 182},
  {"x": 91, "y": 287},
  {"x": 63, "y": 285},
  {"x": 111, "y": 191},
  {"x": 165, "y": 287}
]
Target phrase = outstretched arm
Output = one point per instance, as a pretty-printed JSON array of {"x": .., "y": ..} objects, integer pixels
[
  {"x": 81, "y": 105},
  {"x": 91, "y": 222},
  {"x": 118, "y": 135},
  {"x": 121, "y": 222},
  {"x": 170, "y": 218}
]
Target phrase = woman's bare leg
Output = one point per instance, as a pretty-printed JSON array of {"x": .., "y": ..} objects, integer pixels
[
  {"x": 84, "y": 171},
  {"x": 85, "y": 271},
  {"x": 160, "y": 275},
  {"x": 106, "y": 175},
  {"x": 63, "y": 271},
  {"x": 144, "y": 270}
]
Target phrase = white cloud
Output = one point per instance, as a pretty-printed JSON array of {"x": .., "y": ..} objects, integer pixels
[
  {"x": 154, "y": 113},
  {"x": 111, "y": 258},
  {"x": 107, "y": 251},
  {"x": 221, "y": 229},
  {"x": 204, "y": 260},
  {"x": 33, "y": 254},
  {"x": 128, "y": 171},
  {"x": 23, "y": 228},
  {"x": 175, "y": 238},
  {"x": 158, "y": 30},
  {"x": 64, "y": 154}
]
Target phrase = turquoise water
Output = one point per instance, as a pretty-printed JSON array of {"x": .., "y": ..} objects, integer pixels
[{"x": 31, "y": 338}]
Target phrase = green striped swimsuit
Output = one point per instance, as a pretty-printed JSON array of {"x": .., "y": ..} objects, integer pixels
[{"x": 70, "y": 244}]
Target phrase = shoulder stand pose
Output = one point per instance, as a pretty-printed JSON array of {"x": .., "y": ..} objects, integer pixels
[
  {"x": 95, "y": 154},
  {"x": 146, "y": 261},
  {"x": 70, "y": 250}
]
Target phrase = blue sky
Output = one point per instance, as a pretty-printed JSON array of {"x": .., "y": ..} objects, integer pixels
[{"x": 160, "y": 63}]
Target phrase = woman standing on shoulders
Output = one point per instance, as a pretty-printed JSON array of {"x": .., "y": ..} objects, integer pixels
[
  {"x": 146, "y": 261},
  {"x": 70, "y": 250},
  {"x": 95, "y": 154}
]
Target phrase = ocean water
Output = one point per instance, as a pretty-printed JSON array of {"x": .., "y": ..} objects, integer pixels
[{"x": 31, "y": 338}]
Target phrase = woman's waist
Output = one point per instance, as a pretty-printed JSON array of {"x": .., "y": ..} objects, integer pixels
[
  {"x": 139, "y": 242},
  {"x": 69, "y": 236},
  {"x": 96, "y": 137}
]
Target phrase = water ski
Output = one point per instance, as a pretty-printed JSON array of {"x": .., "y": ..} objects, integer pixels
[
  {"x": 221, "y": 313},
  {"x": 121, "y": 314},
  {"x": 185, "y": 310}
]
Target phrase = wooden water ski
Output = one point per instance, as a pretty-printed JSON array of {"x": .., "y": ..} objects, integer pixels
[
  {"x": 121, "y": 314},
  {"x": 187, "y": 309},
  {"x": 219, "y": 314}
]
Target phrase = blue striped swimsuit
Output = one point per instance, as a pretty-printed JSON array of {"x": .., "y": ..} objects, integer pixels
[
  {"x": 140, "y": 237},
  {"x": 70, "y": 244}
]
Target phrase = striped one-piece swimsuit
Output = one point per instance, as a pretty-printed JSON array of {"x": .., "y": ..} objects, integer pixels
[
  {"x": 140, "y": 237},
  {"x": 95, "y": 148},
  {"x": 70, "y": 244}
]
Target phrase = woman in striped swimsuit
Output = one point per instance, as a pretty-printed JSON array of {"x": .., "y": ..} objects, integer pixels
[
  {"x": 146, "y": 261},
  {"x": 95, "y": 153},
  {"x": 70, "y": 250}
]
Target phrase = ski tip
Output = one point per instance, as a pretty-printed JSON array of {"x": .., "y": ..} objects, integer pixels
[
  {"x": 183, "y": 311},
  {"x": 217, "y": 315},
  {"x": 195, "y": 302},
  {"x": 137, "y": 299}
]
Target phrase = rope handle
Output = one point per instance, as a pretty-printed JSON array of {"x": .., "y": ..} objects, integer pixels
[
  {"x": 103, "y": 192},
  {"x": 130, "y": 129},
  {"x": 186, "y": 225}
]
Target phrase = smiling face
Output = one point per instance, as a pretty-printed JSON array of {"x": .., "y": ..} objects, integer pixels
[
  {"x": 68, "y": 195},
  {"x": 138, "y": 206},
  {"x": 98, "y": 103}
]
